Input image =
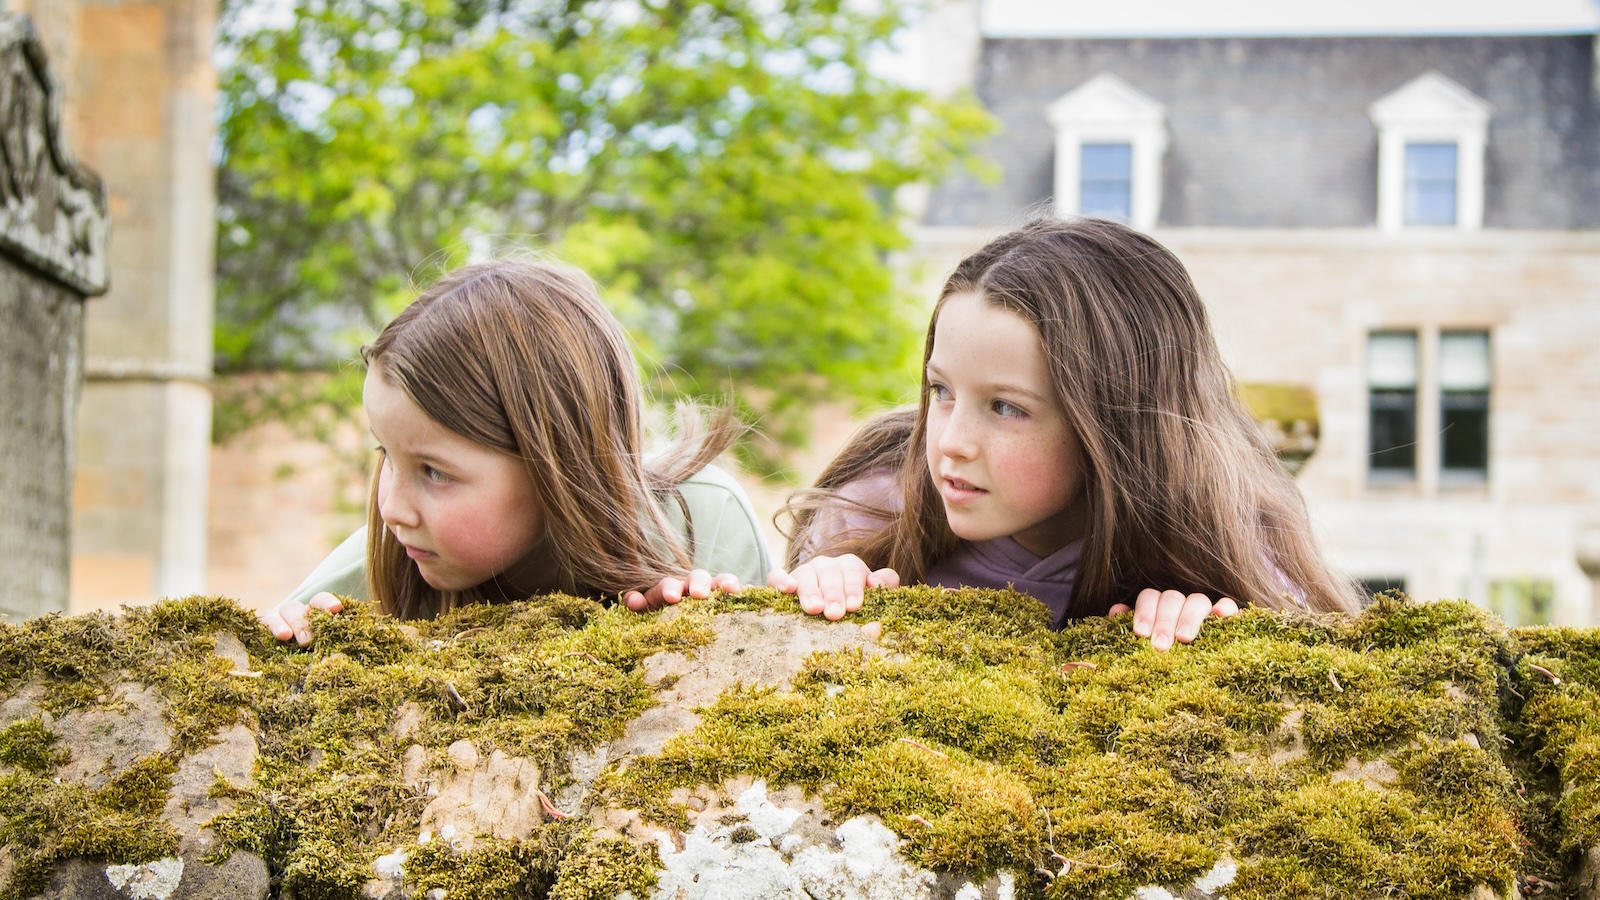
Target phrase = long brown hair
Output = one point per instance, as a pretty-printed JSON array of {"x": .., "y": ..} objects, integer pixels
[
  {"x": 523, "y": 357},
  {"x": 1182, "y": 490}
]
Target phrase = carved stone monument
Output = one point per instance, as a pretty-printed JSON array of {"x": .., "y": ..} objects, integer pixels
[{"x": 53, "y": 230}]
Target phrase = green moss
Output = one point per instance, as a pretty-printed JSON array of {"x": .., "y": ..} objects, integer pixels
[
  {"x": 43, "y": 821},
  {"x": 984, "y": 753},
  {"x": 28, "y": 744},
  {"x": 492, "y": 869},
  {"x": 603, "y": 869},
  {"x": 1083, "y": 761}
]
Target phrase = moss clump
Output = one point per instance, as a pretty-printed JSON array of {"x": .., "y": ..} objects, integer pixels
[
  {"x": 1092, "y": 764},
  {"x": 492, "y": 869},
  {"x": 604, "y": 869},
  {"x": 539, "y": 680},
  {"x": 28, "y": 744},
  {"x": 1555, "y": 731},
  {"x": 43, "y": 821}
]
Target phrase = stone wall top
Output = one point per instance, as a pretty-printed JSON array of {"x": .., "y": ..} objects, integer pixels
[{"x": 53, "y": 212}]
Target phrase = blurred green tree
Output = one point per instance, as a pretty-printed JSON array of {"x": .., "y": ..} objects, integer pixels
[{"x": 725, "y": 169}]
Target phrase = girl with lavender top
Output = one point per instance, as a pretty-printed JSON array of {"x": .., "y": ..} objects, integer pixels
[{"x": 1077, "y": 438}]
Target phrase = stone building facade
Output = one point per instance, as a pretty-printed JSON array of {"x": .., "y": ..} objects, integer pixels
[
  {"x": 1406, "y": 223},
  {"x": 138, "y": 90}
]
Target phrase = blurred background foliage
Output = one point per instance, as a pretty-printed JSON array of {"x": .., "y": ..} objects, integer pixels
[{"x": 726, "y": 170}]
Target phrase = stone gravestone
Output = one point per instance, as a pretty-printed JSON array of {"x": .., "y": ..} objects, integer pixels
[{"x": 53, "y": 232}]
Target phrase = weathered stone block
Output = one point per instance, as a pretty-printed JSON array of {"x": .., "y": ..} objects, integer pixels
[{"x": 53, "y": 228}]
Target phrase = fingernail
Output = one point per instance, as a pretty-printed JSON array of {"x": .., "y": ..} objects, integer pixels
[{"x": 303, "y": 637}]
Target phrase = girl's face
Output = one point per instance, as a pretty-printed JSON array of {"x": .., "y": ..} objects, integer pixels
[
  {"x": 466, "y": 513},
  {"x": 1001, "y": 454}
]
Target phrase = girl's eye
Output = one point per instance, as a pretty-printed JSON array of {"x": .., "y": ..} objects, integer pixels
[
  {"x": 1009, "y": 410},
  {"x": 434, "y": 475},
  {"x": 938, "y": 392}
]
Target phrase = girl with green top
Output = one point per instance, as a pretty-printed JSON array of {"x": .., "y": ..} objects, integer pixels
[{"x": 506, "y": 405}]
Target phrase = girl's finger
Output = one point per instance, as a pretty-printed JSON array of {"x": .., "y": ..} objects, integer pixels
[
  {"x": 1118, "y": 609},
  {"x": 807, "y": 591},
  {"x": 275, "y": 624},
  {"x": 1225, "y": 607},
  {"x": 1168, "y": 609},
  {"x": 294, "y": 614},
  {"x": 831, "y": 588},
  {"x": 780, "y": 580},
  {"x": 635, "y": 601},
  {"x": 1195, "y": 609},
  {"x": 1144, "y": 611},
  {"x": 699, "y": 584},
  {"x": 326, "y": 602},
  {"x": 727, "y": 582},
  {"x": 671, "y": 591},
  {"x": 884, "y": 578}
]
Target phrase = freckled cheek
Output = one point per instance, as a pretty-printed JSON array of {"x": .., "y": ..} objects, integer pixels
[
  {"x": 1041, "y": 477},
  {"x": 472, "y": 541}
]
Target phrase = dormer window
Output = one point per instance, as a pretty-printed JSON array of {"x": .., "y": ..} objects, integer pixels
[
  {"x": 1431, "y": 138},
  {"x": 1109, "y": 142}
]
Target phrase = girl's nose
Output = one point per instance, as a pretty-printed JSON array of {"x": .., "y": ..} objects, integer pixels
[
  {"x": 394, "y": 505},
  {"x": 956, "y": 438}
]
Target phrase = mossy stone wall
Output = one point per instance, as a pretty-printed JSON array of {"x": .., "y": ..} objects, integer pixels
[{"x": 1418, "y": 750}]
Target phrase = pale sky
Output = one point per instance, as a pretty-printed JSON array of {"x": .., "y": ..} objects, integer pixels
[{"x": 1174, "y": 18}]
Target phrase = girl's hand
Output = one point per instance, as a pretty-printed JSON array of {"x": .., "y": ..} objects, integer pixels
[
  {"x": 831, "y": 585},
  {"x": 670, "y": 590},
  {"x": 288, "y": 619},
  {"x": 1164, "y": 616}
]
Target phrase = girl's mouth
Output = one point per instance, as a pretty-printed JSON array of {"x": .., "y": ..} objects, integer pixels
[
  {"x": 955, "y": 490},
  {"x": 418, "y": 553}
]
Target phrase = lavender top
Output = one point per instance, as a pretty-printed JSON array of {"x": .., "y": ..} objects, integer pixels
[{"x": 998, "y": 564}]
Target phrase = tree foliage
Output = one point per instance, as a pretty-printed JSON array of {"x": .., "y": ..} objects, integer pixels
[{"x": 726, "y": 170}]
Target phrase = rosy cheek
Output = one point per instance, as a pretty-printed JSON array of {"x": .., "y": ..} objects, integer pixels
[{"x": 1042, "y": 472}]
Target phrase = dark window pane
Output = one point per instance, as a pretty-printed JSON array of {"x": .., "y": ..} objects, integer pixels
[
  {"x": 1464, "y": 420},
  {"x": 1393, "y": 431},
  {"x": 1105, "y": 181}
]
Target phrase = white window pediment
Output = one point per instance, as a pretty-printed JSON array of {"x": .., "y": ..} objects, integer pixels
[
  {"x": 1107, "y": 101},
  {"x": 1430, "y": 109},
  {"x": 1104, "y": 110},
  {"x": 1431, "y": 100}
]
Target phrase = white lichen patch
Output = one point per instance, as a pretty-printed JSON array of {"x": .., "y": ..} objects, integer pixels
[
  {"x": 147, "y": 881},
  {"x": 391, "y": 865},
  {"x": 756, "y": 851},
  {"x": 1221, "y": 875},
  {"x": 866, "y": 865}
]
